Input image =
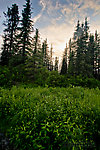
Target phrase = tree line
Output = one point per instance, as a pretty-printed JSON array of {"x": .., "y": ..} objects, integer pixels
[
  {"x": 18, "y": 42},
  {"x": 80, "y": 57}
]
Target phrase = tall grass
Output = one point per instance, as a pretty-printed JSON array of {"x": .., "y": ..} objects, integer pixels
[{"x": 51, "y": 118}]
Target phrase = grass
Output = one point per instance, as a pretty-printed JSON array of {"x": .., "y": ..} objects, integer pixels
[{"x": 51, "y": 118}]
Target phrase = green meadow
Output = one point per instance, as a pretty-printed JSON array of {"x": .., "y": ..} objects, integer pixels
[{"x": 42, "y": 118}]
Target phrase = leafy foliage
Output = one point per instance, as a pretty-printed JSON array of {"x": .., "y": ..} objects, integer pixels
[
  {"x": 51, "y": 118},
  {"x": 41, "y": 77},
  {"x": 12, "y": 76}
]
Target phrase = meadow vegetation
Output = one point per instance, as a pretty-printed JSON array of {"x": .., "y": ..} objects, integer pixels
[{"x": 51, "y": 117}]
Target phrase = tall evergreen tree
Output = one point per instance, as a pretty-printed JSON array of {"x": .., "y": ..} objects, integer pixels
[
  {"x": 81, "y": 49},
  {"x": 64, "y": 62},
  {"x": 80, "y": 55},
  {"x": 86, "y": 28},
  {"x": 71, "y": 64},
  {"x": 34, "y": 60},
  {"x": 10, "y": 31},
  {"x": 12, "y": 20},
  {"x": 25, "y": 30},
  {"x": 14, "y": 25},
  {"x": 90, "y": 58},
  {"x": 51, "y": 61},
  {"x": 56, "y": 64},
  {"x": 37, "y": 50},
  {"x": 78, "y": 31},
  {"x": 5, "y": 52},
  {"x": 97, "y": 56},
  {"x": 95, "y": 53},
  {"x": 36, "y": 38},
  {"x": 45, "y": 54}
]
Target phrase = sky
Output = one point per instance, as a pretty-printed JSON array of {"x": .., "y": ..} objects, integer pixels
[{"x": 56, "y": 19}]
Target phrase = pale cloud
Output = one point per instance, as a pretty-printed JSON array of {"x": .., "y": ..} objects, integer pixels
[
  {"x": 95, "y": 26},
  {"x": 79, "y": 9},
  {"x": 90, "y": 4},
  {"x": 36, "y": 18},
  {"x": 65, "y": 10},
  {"x": 54, "y": 20},
  {"x": 43, "y": 4},
  {"x": 58, "y": 35},
  {"x": 51, "y": 8},
  {"x": 71, "y": 12}
]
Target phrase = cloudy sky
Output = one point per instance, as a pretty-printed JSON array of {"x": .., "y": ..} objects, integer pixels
[{"x": 56, "y": 19}]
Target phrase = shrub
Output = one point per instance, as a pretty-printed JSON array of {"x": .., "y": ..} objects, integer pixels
[{"x": 5, "y": 76}]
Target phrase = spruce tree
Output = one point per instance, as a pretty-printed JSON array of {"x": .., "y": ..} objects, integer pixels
[
  {"x": 56, "y": 64},
  {"x": 97, "y": 56},
  {"x": 64, "y": 62},
  {"x": 5, "y": 52},
  {"x": 78, "y": 31},
  {"x": 71, "y": 64},
  {"x": 25, "y": 30},
  {"x": 80, "y": 55},
  {"x": 81, "y": 50},
  {"x": 14, "y": 25},
  {"x": 86, "y": 28},
  {"x": 45, "y": 54},
  {"x": 90, "y": 57},
  {"x": 37, "y": 50},
  {"x": 51, "y": 61},
  {"x": 12, "y": 20},
  {"x": 10, "y": 31},
  {"x": 34, "y": 60}
]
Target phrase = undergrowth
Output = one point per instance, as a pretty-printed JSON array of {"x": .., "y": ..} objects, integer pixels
[{"x": 51, "y": 118}]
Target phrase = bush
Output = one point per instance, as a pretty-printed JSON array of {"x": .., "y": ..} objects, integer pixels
[
  {"x": 84, "y": 81},
  {"x": 12, "y": 76},
  {"x": 5, "y": 76},
  {"x": 18, "y": 74},
  {"x": 42, "y": 77}
]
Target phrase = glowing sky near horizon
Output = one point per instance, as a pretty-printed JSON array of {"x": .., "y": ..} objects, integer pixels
[{"x": 56, "y": 19}]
